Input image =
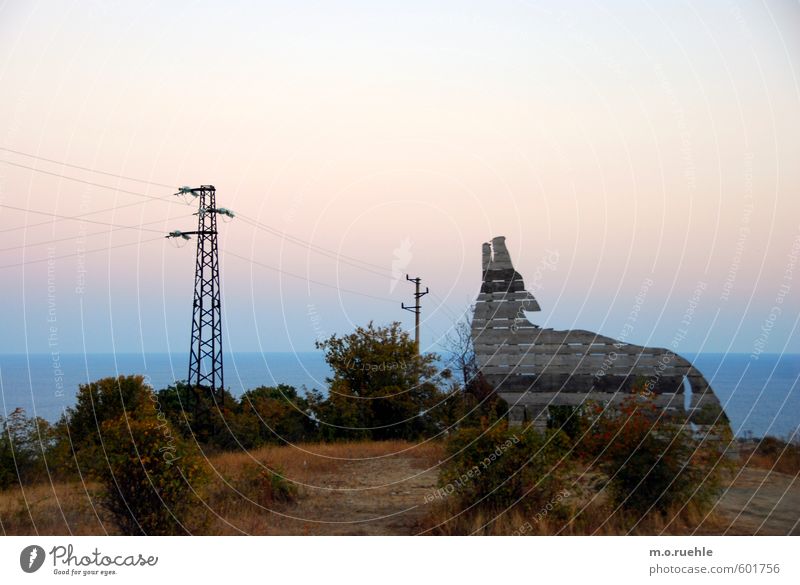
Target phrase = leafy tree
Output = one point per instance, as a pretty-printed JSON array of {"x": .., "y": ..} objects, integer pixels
[
  {"x": 24, "y": 442},
  {"x": 496, "y": 467},
  {"x": 652, "y": 459},
  {"x": 78, "y": 446},
  {"x": 279, "y": 414},
  {"x": 150, "y": 477},
  {"x": 380, "y": 389},
  {"x": 209, "y": 421},
  {"x": 107, "y": 399}
]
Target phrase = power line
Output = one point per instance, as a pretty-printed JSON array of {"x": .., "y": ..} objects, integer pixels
[
  {"x": 79, "y": 253},
  {"x": 350, "y": 260},
  {"x": 75, "y": 179},
  {"x": 298, "y": 276},
  {"x": 80, "y": 216},
  {"x": 65, "y": 164},
  {"x": 67, "y": 217},
  {"x": 69, "y": 238}
]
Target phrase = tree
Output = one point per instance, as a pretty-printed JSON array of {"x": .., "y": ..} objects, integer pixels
[
  {"x": 107, "y": 399},
  {"x": 23, "y": 444},
  {"x": 200, "y": 417},
  {"x": 478, "y": 403},
  {"x": 279, "y": 414},
  {"x": 150, "y": 477},
  {"x": 380, "y": 389},
  {"x": 653, "y": 460},
  {"x": 458, "y": 344}
]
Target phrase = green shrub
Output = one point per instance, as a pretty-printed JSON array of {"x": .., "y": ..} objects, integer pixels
[
  {"x": 381, "y": 387},
  {"x": 652, "y": 460},
  {"x": 24, "y": 442},
  {"x": 498, "y": 467},
  {"x": 278, "y": 414},
  {"x": 149, "y": 477},
  {"x": 104, "y": 400},
  {"x": 568, "y": 419},
  {"x": 264, "y": 486}
]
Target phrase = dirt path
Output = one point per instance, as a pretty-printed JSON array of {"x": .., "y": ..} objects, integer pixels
[
  {"x": 762, "y": 502},
  {"x": 373, "y": 497},
  {"x": 386, "y": 496}
]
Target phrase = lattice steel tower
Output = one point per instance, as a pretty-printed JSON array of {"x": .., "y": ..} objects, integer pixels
[{"x": 205, "y": 356}]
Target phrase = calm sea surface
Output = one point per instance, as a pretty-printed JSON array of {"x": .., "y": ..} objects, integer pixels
[{"x": 760, "y": 396}]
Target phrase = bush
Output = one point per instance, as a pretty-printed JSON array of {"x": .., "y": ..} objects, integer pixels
[
  {"x": 652, "y": 460},
  {"x": 149, "y": 477},
  {"x": 23, "y": 444},
  {"x": 571, "y": 420},
  {"x": 104, "y": 400},
  {"x": 381, "y": 388},
  {"x": 265, "y": 487},
  {"x": 497, "y": 467},
  {"x": 278, "y": 414}
]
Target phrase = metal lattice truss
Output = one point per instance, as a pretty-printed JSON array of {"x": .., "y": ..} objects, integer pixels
[{"x": 205, "y": 356}]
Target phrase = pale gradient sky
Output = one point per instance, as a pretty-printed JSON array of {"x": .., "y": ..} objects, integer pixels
[{"x": 636, "y": 140}]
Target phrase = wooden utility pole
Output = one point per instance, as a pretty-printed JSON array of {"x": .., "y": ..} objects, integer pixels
[{"x": 416, "y": 307}]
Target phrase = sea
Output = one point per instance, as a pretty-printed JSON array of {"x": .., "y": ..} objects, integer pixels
[{"x": 760, "y": 396}]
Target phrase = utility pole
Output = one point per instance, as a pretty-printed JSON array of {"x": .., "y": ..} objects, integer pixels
[
  {"x": 205, "y": 355},
  {"x": 416, "y": 307}
]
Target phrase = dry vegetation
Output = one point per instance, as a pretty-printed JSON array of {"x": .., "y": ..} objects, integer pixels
[
  {"x": 772, "y": 454},
  {"x": 239, "y": 499},
  {"x": 381, "y": 487}
]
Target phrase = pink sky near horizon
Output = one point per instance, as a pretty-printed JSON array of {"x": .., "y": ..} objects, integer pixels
[{"x": 635, "y": 141}]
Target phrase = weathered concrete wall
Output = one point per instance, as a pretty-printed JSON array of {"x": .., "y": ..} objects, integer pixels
[{"x": 534, "y": 368}]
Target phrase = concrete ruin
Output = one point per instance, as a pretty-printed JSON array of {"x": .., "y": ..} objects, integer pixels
[{"x": 533, "y": 368}]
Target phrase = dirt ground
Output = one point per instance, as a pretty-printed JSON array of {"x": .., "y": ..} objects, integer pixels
[
  {"x": 374, "y": 488},
  {"x": 387, "y": 497},
  {"x": 373, "y": 497},
  {"x": 762, "y": 502}
]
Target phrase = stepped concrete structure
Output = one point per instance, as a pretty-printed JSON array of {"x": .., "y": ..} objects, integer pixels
[{"x": 534, "y": 369}]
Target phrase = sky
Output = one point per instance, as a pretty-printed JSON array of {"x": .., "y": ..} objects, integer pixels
[{"x": 641, "y": 158}]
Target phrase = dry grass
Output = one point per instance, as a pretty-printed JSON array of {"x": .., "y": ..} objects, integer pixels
[
  {"x": 240, "y": 498},
  {"x": 235, "y": 509},
  {"x": 58, "y": 509},
  {"x": 583, "y": 513},
  {"x": 772, "y": 454}
]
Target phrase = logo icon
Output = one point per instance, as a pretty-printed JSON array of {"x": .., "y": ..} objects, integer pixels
[
  {"x": 401, "y": 259},
  {"x": 31, "y": 558}
]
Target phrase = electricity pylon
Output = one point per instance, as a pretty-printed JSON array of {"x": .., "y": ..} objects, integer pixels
[{"x": 205, "y": 356}]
